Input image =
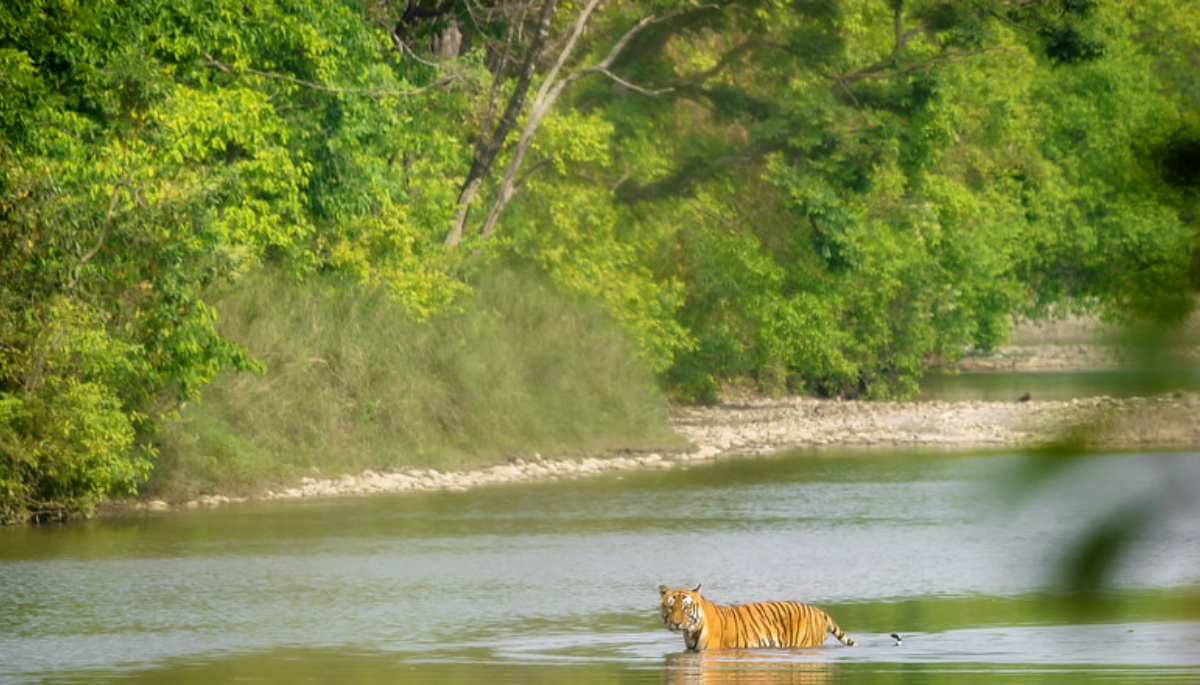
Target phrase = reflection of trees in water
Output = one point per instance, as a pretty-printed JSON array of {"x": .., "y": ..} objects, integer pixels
[{"x": 746, "y": 667}]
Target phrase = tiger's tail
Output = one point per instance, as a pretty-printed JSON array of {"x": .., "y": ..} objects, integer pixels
[{"x": 837, "y": 632}]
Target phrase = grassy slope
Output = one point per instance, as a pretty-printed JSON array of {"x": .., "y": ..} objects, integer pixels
[{"x": 353, "y": 383}]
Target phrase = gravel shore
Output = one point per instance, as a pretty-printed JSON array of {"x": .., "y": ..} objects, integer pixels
[
  {"x": 760, "y": 426},
  {"x": 765, "y": 426}
]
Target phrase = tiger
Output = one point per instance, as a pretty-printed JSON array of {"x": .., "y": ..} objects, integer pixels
[{"x": 780, "y": 625}]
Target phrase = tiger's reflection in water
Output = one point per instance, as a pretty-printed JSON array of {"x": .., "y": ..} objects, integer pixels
[{"x": 744, "y": 667}]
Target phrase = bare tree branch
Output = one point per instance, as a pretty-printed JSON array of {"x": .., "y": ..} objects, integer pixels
[
  {"x": 501, "y": 70},
  {"x": 404, "y": 50},
  {"x": 888, "y": 66},
  {"x": 112, "y": 205},
  {"x": 489, "y": 145},
  {"x": 901, "y": 40},
  {"x": 549, "y": 92},
  {"x": 636, "y": 88},
  {"x": 624, "y": 177}
]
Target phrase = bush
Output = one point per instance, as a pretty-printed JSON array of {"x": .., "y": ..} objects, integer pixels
[{"x": 67, "y": 437}]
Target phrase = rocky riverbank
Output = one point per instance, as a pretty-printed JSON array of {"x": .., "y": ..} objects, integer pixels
[
  {"x": 759, "y": 426},
  {"x": 765, "y": 426},
  {"x": 1077, "y": 344}
]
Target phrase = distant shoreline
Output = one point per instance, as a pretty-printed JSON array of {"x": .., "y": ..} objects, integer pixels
[
  {"x": 1072, "y": 344},
  {"x": 767, "y": 426},
  {"x": 760, "y": 426}
]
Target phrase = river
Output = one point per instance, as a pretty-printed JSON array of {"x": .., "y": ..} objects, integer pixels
[
  {"x": 556, "y": 582},
  {"x": 1006, "y": 386}
]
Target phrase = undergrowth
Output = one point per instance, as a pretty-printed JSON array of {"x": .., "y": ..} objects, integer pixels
[{"x": 352, "y": 383}]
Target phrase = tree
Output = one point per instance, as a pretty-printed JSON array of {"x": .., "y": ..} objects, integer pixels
[
  {"x": 494, "y": 136},
  {"x": 841, "y": 193},
  {"x": 821, "y": 197},
  {"x": 155, "y": 150}
]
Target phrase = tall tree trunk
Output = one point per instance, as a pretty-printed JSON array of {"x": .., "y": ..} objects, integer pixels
[
  {"x": 547, "y": 95},
  {"x": 490, "y": 143}
]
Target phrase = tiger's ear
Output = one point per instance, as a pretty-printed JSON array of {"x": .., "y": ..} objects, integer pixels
[
  {"x": 663, "y": 590},
  {"x": 697, "y": 589}
]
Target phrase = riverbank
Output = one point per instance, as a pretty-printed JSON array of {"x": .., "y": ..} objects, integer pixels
[
  {"x": 759, "y": 426},
  {"x": 768, "y": 426},
  {"x": 1079, "y": 344},
  {"x": 765, "y": 426}
]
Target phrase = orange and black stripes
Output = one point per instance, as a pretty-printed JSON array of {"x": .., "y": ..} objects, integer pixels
[
  {"x": 780, "y": 625},
  {"x": 770, "y": 624}
]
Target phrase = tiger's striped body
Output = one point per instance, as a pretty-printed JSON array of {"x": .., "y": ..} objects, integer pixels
[{"x": 781, "y": 625}]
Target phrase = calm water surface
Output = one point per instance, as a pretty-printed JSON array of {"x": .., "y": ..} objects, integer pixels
[
  {"x": 555, "y": 582},
  {"x": 1006, "y": 386}
]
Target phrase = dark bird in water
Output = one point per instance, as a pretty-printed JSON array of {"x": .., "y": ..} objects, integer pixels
[
  {"x": 1026, "y": 397},
  {"x": 898, "y": 640}
]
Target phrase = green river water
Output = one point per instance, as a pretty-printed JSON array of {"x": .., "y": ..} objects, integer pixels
[{"x": 555, "y": 582}]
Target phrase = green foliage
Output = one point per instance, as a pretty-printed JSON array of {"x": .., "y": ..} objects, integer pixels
[
  {"x": 151, "y": 150},
  {"x": 353, "y": 382},
  {"x": 65, "y": 438},
  {"x": 840, "y": 213},
  {"x": 821, "y": 197}
]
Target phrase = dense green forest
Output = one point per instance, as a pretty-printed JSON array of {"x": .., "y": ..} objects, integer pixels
[{"x": 814, "y": 196}]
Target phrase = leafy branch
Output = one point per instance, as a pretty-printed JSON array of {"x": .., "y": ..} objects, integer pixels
[
  {"x": 87, "y": 256},
  {"x": 226, "y": 68},
  {"x": 549, "y": 93}
]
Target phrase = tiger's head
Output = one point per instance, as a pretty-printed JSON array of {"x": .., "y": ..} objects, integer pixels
[{"x": 681, "y": 610}]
